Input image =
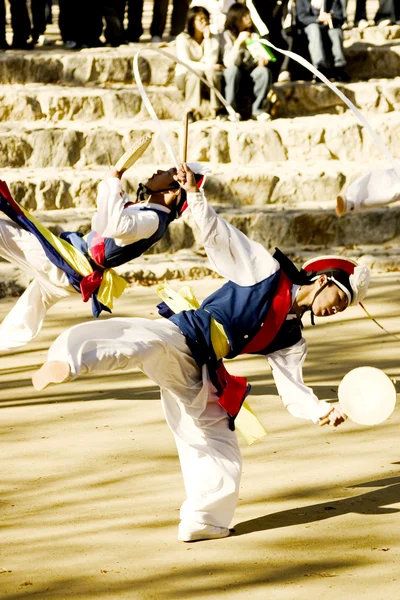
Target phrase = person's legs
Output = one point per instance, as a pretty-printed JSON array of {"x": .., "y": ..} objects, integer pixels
[
  {"x": 210, "y": 461},
  {"x": 160, "y": 10},
  {"x": 386, "y": 11},
  {"x": 336, "y": 38},
  {"x": 208, "y": 450},
  {"x": 25, "y": 319},
  {"x": 38, "y": 8},
  {"x": 3, "y": 43},
  {"x": 178, "y": 17},
  {"x": 316, "y": 46},
  {"x": 193, "y": 87},
  {"x": 233, "y": 79},
  {"x": 114, "y": 31},
  {"x": 262, "y": 82},
  {"x": 70, "y": 31},
  {"x": 20, "y": 22},
  {"x": 135, "y": 13},
  {"x": 214, "y": 78},
  {"x": 361, "y": 11}
]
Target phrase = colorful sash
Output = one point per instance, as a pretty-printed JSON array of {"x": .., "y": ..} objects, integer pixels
[{"x": 87, "y": 277}]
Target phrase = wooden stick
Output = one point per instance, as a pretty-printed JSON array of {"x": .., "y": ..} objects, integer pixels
[{"x": 185, "y": 137}]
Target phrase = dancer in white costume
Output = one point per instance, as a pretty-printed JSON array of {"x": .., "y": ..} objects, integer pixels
[
  {"x": 126, "y": 230},
  {"x": 208, "y": 449}
]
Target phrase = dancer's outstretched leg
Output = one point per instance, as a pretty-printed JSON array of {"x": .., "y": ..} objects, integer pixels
[
  {"x": 208, "y": 449},
  {"x": 50, "y": 284}
]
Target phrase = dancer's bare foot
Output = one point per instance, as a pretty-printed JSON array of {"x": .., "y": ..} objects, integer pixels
[{"x": 53, "y": 371}]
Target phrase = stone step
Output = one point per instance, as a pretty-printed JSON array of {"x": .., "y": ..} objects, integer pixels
[
  {"x": 52, "y": 103},
  {"x": 276, "y": 185},
  {"x": 191, "y": 265},
  {"x": 323, "y": 137},
  {"x": 291, "y": 228},
  {"x": 110, "y": 65}
]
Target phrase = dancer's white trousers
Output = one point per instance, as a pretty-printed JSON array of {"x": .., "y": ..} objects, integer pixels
[
  {"x": 208, "y": 451},
  {"x": 49, "y": 285}
]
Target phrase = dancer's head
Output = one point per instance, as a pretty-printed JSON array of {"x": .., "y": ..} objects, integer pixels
[
  {"x": 162, "y": 188},
  {"x": 334, "y": 284}
]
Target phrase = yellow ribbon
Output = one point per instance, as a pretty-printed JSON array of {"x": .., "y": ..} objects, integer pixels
[
  {"x": 112, "y": 284},
  {"x": 246, "y": 421}
]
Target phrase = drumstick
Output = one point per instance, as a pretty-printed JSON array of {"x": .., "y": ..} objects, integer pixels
[{"x": 185, "y": 137}]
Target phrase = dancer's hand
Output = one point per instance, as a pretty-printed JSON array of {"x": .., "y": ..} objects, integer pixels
[
  {"x": 334, "y": 417},
  {"x": 186, "y": 179},
  {"x": 113, "y": 172}
]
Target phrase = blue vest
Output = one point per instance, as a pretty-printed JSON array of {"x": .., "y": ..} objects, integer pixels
[
  {"x": 241, "y": 310},
  {"x": 115, "y": 255}
]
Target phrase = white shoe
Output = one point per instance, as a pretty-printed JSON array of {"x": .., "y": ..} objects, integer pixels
[
  {"x": 263, "y": 117},
  {"x": 156, "y": 39},
  {"x": 53, "y": 371},
  {"x": 195, "y": 532},
  {"x": 385, "y": 23},
  {"x": 363, "y": 24},
  {"x": 284, "y": 76}
]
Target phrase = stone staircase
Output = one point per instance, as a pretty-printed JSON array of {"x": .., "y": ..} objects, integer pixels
[{"x": 65, "y": 116}]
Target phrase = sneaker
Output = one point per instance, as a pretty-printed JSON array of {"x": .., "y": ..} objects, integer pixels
[
  {"x": 71, "y": 44},
  {"x": 384, "y": 23},
  {"x": 53, "y": 371},
  {"x": 156, "y": 39},
  {"x": 195, "y": 532},
  {"x": 363, "y": 24},
  {"x": 284, "y": 77},
  {"x": 262, "y": 117},
  {"x": 340, "y": 74}
]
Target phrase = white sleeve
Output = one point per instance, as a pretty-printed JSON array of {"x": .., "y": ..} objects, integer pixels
[
  {"x": 231, "y": 253},
  {"x": 374, "y": 189},
  {"x": 112, "y": 220},
  {"x": 287, "y": 370}
]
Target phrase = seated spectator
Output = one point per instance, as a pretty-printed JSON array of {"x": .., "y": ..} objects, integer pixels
[
  {"x": 322, "y": 23},
  {"x": 218, "y": 10},
  {"x": 244, "y": 74},
  {"x": 199, "y": 49}
]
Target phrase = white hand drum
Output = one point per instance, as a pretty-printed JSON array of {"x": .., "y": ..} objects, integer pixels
[
  {"x": 133, "y": 154},
  {"x": 367, "y": 395}
]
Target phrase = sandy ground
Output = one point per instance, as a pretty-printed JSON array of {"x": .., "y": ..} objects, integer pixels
[{"x": 91, "y": 486}]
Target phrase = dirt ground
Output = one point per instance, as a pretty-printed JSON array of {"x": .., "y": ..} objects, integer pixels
[{"x": 91, "y": 487}]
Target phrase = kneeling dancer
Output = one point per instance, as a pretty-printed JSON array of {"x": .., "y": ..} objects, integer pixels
[
  {"x": 72, "y": 263},
  {"x": 257, "y": 311}
]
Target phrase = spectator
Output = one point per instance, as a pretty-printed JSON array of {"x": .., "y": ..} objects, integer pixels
[
  {"x": 113, "y": 15},
  {"x": 322, "y": 22},
  {"x": 244, "y": 74},
  {"x": 199, "y": 49},
  {"x": 217, "y": 10},
  {"x": 178, "y": 19}
]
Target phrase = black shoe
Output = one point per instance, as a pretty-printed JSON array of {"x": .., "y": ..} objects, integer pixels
[
  {"x": 339, "y": 74},
  {"x": 4, "y": 45}
]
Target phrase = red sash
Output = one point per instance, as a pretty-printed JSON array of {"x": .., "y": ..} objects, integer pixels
[{"x": 235, "y": 389}]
